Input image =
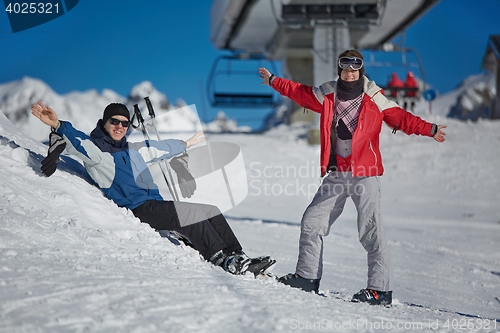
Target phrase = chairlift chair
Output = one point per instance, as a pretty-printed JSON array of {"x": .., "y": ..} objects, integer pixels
[
  {"x": 234, "y": 83},
  {"x": 409, "y": 61}
]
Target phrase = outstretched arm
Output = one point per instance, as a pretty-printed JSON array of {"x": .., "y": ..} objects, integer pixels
[
  {"x": 45, "y": 114},
  {"x": 297, "y": 92}
]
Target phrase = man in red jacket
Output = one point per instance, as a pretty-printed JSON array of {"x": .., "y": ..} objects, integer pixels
[{"x": 351, "y": 110}]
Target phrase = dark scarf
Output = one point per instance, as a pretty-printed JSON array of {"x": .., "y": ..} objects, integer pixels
[{"x": 347, "y": 90}]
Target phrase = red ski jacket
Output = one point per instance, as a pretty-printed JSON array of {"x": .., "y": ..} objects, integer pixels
[{"x": 366, "y": 159}]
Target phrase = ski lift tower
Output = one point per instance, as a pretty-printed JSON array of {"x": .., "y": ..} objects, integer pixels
[{"x": 307, "y": 35}]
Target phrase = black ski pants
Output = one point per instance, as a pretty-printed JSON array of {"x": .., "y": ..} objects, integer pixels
[{"x": 204, "y": 225}]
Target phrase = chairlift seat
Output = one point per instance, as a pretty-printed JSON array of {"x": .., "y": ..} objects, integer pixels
[
  {"x": 243, "y": 69},
  {"x": 242, "y": 100},
  {"x": 405, "y": 89}
]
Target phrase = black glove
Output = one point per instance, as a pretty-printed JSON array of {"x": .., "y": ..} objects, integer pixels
[
  {"x": 56, "y": 147},
  {"x": 187, "y": 183}
]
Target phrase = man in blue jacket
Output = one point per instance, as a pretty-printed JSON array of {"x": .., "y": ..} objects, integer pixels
[{"x": 120, "y": 170}]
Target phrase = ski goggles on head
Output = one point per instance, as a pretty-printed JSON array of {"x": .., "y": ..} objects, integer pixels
[
  {"x": 115, "y": 122},
  {"x": 353, "y": 62}
]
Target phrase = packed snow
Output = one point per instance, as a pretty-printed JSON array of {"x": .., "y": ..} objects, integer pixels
[{"x": 72, "y": 261}]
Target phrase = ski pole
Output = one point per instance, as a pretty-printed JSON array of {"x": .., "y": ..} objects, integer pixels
[
  {"x": 138, "y": 115},
  {"x": 145, "y": 132},
  {"x": 153, "y": 118}
]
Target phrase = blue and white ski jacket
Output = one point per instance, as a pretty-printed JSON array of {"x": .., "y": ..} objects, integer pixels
[{"x": 119, "y": 168}]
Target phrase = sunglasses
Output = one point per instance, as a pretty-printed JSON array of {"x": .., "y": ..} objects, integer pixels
[
  {"x": 353, "y": 62},
  {"x": 115, "y": 122}
]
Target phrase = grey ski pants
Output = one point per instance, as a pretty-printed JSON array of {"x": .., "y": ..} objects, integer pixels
[{"x": 326, "y": 206}]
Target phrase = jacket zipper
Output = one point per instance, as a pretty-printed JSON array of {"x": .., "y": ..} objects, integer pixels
[{"x": 373, "y": 151}]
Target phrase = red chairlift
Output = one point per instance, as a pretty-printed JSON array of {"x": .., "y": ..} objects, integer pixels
[{"x": 407, "y": 88}]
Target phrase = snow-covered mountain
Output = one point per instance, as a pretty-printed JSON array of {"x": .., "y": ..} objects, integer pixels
[
  {"x": 83, "y": 109},
  {"x": 475, "y": 99},
  {"x": 72, "y": 261},
  {"x": 470, "y": 101}
]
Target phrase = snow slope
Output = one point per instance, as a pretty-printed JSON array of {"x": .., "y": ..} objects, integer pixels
[{"x": 72, "y": 261}]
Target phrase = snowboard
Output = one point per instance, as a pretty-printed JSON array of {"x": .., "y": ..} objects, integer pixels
[{"x": 261, "y": 267}]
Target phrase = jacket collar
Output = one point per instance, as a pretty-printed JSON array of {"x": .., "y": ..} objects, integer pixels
[{"x": 370, "y": 87}]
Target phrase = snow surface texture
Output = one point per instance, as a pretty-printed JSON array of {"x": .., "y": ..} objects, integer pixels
[{"x": 72, "y": 261}]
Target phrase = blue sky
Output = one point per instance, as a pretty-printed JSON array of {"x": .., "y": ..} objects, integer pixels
[{"x": 115, "y": 45}]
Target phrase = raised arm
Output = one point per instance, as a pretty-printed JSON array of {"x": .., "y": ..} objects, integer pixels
[
  {"x": 306, "y": 96},
  {"x": 78, "y": 143},
  {"x": 45, "y": 114}
]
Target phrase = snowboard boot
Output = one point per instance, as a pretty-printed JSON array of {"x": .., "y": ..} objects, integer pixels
[
  {"x": 235, "y": 263},
  {"x": 218, "y": 258},
  {"x": 297, "y": 281},
  {"x": 373, "y": 297}
]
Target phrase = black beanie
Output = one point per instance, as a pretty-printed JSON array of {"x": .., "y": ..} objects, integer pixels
[{"x": 115, "y": 109}]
